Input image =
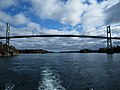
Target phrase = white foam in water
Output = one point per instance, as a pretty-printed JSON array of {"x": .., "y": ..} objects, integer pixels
[
  {"x": 91, "y": 89},
  {"x": 50, "y": 81},
  {"x": 9, "y": 86}
]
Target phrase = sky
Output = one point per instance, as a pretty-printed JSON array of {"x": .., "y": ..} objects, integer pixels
[{"x": 71, "y": 17}]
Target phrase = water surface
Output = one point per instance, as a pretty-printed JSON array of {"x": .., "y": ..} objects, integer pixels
[{"x": 57, "y": 71}]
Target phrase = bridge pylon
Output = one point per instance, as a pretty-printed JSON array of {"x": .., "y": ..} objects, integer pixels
[
  {"x": 7, "y": 38},
  {"x": 109, "y": 40}
]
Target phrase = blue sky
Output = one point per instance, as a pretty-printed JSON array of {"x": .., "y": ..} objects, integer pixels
[{"x": 88, "y": 17}]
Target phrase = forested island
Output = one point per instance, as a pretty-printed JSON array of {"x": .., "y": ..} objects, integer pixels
[
  {"x": 115, "y": 49},
  {"x": 27, "y": 51}
]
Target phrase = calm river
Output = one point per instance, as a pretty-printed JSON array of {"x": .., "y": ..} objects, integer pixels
[{"x": 65, "y": 71}]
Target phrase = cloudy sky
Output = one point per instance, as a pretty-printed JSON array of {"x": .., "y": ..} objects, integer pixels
[{"x": 78, "y": 17}]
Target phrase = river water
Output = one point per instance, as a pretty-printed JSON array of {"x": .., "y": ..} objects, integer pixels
[{"x": 60, "y": 71}]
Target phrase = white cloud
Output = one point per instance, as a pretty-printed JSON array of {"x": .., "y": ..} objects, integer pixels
[
  {"x": 68, "y": 13},
  {"x": 4, "y": 16},
  {"x": 113, "y": 14},
  {"x": 45, "y": 8},
  {"x": 71, "y": 12},
  {"x": 94, "y": 2},
  {"x": 74, "y": 12},
  {"x": 34, "y": 26},
  {"x": 19, "y": 19},
  {"x": 93, "y": 17},
  {"x": 7, "y": 3}
]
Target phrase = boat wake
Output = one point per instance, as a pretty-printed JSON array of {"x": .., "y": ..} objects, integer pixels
[
  {"x": 9, "y": 86},
  {"x": 50, "y": 81}
]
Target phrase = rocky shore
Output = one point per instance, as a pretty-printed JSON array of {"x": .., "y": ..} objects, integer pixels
[{"x": 8, "y": 50}]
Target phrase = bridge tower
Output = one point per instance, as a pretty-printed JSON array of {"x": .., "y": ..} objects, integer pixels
[
  {"x": 7, "y": 38},
  {"x": 109, "y": 40}
]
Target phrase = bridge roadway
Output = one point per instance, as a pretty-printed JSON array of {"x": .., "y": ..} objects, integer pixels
[{"x": 80, "y": 36}]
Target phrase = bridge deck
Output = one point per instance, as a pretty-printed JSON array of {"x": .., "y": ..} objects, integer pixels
[{"x": 80, "y": 36}]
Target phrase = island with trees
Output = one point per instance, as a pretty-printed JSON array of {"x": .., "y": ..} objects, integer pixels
[
  {"x": 115, "y": 49},
  {"x": 28, "y": 51}
]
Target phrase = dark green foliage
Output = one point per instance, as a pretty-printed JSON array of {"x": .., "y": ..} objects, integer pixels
[{"x": 115, "y": 49}]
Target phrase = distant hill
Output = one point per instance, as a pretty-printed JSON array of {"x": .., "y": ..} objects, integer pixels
[
  {"x": 88, "y": 51},
  {"x": 69, "y": 52},
  {"x": 34, "y": 51}
]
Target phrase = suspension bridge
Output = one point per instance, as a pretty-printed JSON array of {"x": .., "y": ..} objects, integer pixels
[{"x": 108, "y": 38}]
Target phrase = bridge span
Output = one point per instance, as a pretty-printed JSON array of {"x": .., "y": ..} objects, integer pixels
[
  {"x": 80, "y": 36},
  {"x": 108, "y": 38}
]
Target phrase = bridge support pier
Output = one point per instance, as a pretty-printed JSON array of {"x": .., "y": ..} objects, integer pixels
[
  {"x": 109, "y": 41},
  {"x": 7, "y": 39}
]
